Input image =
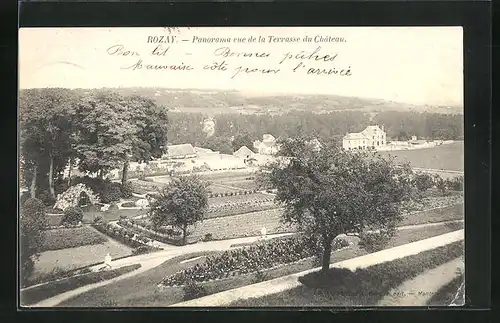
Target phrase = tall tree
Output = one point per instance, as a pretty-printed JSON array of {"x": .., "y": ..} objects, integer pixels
[
  {"x": 151, "y": 125},
  {"x": 105, "y": 132},
  {"x": 332, "y": 191},
  {"x": 181, "y": 204},
  {"x": 242, "y": 139},
  {"x": 46, "y": 127}
]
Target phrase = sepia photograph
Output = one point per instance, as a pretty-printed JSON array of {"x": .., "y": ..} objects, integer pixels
[{"x": 243, "y": 167}]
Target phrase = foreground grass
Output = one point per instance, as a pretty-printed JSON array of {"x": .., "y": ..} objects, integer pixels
[
  {"x": 142, "y": 291},
  {"x": 41, "y": 292},
  {"x": 139, "y": 290},
  {"x": 363, "y": 287},
  {"x": 63, "y": 238},
  {"x": 445, "y": 295}
]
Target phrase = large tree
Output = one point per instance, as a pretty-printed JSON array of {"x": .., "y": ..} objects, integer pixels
[
  {"x": 151, "y": 125},
  {"x": 45, "y": 117},
  {"x": 105, "y": 132},
  {"x": 330, "y": 191},
  {"x": 32, "y": 224},
  {"x": 180, "y": 204}
]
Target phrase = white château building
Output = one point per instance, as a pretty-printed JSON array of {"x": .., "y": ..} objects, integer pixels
[{"x": 372, "y": 137}]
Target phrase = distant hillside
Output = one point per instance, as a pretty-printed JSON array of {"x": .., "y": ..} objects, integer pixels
[{"x": 217, "y": 101}]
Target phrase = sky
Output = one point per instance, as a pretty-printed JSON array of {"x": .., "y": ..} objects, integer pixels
[{"x": 418, "y": 65}]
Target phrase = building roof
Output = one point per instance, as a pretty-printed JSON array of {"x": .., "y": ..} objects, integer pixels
[
  {"x": 244, "y": 152},
  {"x": 180, "y": 150},
  {"x": 268, "y": 138},
  {"x": 203, "y": 150},
  {"x": 355, "y": 136}
]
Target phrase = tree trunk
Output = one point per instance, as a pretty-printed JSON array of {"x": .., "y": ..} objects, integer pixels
[
  {"x": 69, "y": 171},
  {"x": 33, "y": 182},
  {"x": 51, "y": 177},
  {"x": 100, "y": 174},
  {"x": 125, "y": 172},
  {"x": 184, "y": 235},
  {"x": 325, "y": 264}
]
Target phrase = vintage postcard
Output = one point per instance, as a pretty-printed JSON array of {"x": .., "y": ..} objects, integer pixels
[{"x": 241, "y": 167}]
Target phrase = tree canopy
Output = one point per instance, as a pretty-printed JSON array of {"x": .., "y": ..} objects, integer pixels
[
  {"x": 183, "y": 202},
  {"x": 330, "y": 191}
]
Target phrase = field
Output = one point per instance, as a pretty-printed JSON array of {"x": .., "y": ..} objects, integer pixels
[
  {"x": 445, "y": 157},
  {"x": 71, "y": 237},
  {"x": 242, "y": 225},
  {"x": 141, "y": 290}
]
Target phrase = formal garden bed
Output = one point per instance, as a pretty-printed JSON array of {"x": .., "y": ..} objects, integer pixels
[
  {"x": 71, "y": 237},
  {"x": 126, "y": 236},
  {"x": 363, "y": 287},
  {"x": 144, "y": 228},
  {"x": 38, "y": 293}
]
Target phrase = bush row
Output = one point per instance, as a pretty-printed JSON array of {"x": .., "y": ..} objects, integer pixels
[
  {"x": 240, "y": 209},
  {"x": 170, "y": 237},
  {"x": 251, "y": 259},
  {"x": 124, "y": 235},
  {"x": 39, "y": 293},
  {"x": 246, "y": 192},
  {"x": 236, "y": 205}
]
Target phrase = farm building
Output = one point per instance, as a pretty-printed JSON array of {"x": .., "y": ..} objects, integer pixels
[
  {"x": 243, "y": 152},
  {"x": 181, "y": 151},
  {"x": 267, "y": 146}
]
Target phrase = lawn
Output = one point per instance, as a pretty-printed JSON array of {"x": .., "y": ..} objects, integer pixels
[
  {"x": 141, "y": 290},
  {"x": 449, "y": 213},
  {"x": 63, "y": 238},
  {"x": 363, "y": 287},
  {"x": 446, "y": 294},
  {"x": 446, "y": 157},
  {"x": 71, "y": 258},
  {"x": 39, "y": 293}
]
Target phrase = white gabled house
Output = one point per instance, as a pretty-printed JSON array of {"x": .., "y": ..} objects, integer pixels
[{"x": 372, "y": 137}]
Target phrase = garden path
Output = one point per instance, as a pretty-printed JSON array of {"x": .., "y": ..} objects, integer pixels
[
  {"x": 419, "y": 290},
  {"x": 149, "y": 261},
  {"x": 281, "y": 284},
  {"x": 152, "y": 260}
]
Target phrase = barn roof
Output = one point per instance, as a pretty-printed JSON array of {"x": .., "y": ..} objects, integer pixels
[{"x": 180, "y": 150}]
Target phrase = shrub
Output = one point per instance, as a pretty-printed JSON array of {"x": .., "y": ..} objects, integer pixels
[
  {"x": 72, "y": 216},
  {"x": 127, "y": 190},
  {"x": 374, "y": 241},
  {"x": 141, "y": 250},
  {"x": 97, "y": 219},
  {"x": 423, "y": 182},
  {"x": 111, "y": 192},
  {"x": 193, "y": 290},
  {"x": 33, "y": 220},
  {"x": 46, "y": 198},
  {"x": 208, "y": 237},
  {"x": 455, "y": 184}
]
